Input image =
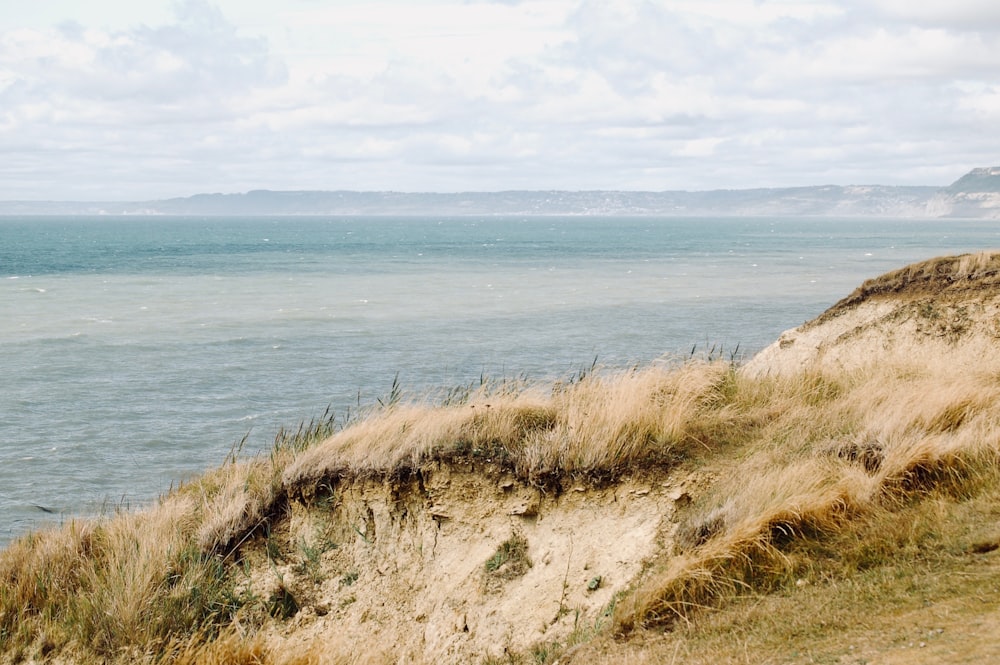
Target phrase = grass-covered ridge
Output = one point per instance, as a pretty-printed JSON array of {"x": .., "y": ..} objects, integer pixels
[{"x": 811, "y": 479}]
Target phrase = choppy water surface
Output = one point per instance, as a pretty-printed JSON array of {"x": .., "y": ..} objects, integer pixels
[{"x": 135, "y": 351}]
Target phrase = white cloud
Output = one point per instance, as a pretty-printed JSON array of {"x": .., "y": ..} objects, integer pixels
[
  {"x": 883, "y": 56},
  {"x": 976, "y": 15},
  {"x": 451, "y": 95}
]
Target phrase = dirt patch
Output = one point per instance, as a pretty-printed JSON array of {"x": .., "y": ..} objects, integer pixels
[{"x": 420, "y": 561}]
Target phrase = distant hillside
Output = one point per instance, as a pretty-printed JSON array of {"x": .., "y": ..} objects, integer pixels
[
  {"x": 827, "y": 200},
  {"x": 976, "y": 194},
  {"x": 978, "y": 180}
]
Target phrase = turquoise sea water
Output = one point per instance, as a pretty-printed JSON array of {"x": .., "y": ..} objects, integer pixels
[{"x": 136, "y": 351}]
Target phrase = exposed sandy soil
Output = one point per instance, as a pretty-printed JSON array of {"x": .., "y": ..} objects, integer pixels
[{"x": 410, "y": 555}]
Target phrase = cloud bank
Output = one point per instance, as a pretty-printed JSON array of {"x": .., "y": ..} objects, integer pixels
[{"x": 456, "y": 96}]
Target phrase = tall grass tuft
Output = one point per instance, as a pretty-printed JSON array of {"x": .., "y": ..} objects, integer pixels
[
  {"x": 841, "y": 448},
  {"x": 137, "y": 581},
  {"x": 599, "y": 424}
]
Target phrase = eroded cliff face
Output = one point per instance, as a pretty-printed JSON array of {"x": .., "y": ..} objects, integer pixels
[{"x": 452, "y": 562}]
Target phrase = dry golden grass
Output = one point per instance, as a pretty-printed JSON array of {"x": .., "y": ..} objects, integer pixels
[
  {"x": 123, "y": 587},
  {"x": 132, "y": 581},
  {"x": 887, "y": 433},
  {"x": 597, "y": 425},
  {"x": 979, "y": 272},
  {"x": 886, "y": 584},
  {"x": 799, "y": 458}
]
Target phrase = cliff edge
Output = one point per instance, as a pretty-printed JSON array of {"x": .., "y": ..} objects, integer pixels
[{"x": 927, "y": 312}]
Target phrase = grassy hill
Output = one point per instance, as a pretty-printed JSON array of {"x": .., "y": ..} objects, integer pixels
[
  {"x": 983, "y": 179},
  {"x": 837, "y": 499}
]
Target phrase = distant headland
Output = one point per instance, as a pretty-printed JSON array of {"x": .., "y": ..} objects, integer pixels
[{"x": 974, "y": 195}]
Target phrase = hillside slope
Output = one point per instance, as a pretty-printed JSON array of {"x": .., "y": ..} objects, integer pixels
[
  {"x": 929, "y": 311},
  {"x": 974, "y": 195},
  {"x": 836, "y": 499}
]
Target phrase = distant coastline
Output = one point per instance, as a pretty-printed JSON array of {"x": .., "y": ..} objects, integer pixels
[{"x": 974, "y": 195}]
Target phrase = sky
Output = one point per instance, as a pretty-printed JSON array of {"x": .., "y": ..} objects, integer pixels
[{"x": 125, "y": 100}]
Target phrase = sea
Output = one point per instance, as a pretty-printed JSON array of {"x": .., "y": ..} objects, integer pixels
[{"x": 137, "y": 351}]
